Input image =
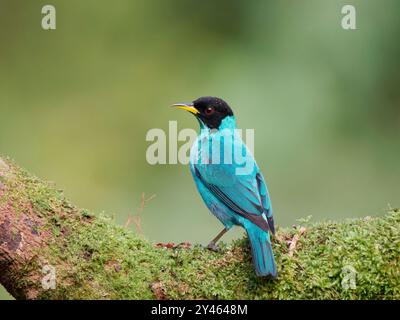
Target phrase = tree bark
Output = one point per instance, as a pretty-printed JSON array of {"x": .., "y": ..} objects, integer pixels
[{"x": 50, "y": 249}]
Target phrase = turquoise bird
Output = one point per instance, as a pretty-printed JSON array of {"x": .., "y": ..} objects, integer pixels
[{"x": 229, "y": 180}]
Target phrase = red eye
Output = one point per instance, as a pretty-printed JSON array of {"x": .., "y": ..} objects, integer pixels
[{"x": 209, "y": 111}]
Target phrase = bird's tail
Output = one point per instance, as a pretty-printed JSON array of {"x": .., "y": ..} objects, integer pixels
[{"x": 263, "y": 257}]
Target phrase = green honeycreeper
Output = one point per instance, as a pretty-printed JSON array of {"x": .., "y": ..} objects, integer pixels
[{"x": 229, "y": 180}]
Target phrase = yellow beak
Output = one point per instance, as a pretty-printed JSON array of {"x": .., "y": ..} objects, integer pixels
[{"x": 186, "y": 106}]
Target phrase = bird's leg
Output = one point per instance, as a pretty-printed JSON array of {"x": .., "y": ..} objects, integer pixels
[{"x": 213, "y": 244}]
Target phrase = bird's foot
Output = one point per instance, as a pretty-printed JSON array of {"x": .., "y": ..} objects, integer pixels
[{"x": 213, "y": 247}]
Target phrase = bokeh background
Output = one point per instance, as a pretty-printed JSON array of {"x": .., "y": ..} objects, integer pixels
[{"x": 76, "y": 103}]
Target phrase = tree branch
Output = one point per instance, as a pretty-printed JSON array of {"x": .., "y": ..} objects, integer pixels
[{"x": 95, "y": 259}]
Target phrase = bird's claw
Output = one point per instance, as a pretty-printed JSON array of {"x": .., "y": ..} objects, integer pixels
[{"x": 213, "y": 247}]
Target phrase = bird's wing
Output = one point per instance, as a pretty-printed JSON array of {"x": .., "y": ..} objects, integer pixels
[
  {"x": 266, "y": 202},
  {"x": 245, "y": 195}
]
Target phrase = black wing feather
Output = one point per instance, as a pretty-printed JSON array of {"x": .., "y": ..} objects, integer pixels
[{"x": 257, "y": 219}]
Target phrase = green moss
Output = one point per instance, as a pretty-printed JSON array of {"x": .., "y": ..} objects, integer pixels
[{"x": 96, "y": 259}]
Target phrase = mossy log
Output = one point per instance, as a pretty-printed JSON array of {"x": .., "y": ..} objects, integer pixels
[{"x": 95, "y": 259}]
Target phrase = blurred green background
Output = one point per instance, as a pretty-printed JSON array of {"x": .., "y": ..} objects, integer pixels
[{"x": 76, "y": 103}]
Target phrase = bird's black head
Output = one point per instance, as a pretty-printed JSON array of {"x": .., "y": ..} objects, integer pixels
[{"x": 209, "y": 110}]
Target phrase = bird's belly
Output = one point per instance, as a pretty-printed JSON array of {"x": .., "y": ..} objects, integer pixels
[{"x": 217, "y": 208}]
